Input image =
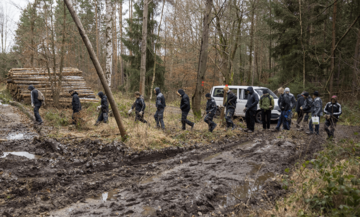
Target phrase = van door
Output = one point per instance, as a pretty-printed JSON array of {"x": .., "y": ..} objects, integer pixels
[
  {"x": 242, "y": 101},
  {"x": 238, "y": 110}
]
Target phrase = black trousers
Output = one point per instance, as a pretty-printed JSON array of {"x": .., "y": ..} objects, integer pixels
[
  {"x": 266, "y": 118},
  {"x": 184, "y": 120},
  {"x": 209, "y": 120},
  {"x": 159, "y": 118},
  {"x": 140, "y": 118},
  {"x": 229, "y": 116},
  {"x": 300, "y": 116},
  {"x": 103, "y": 116},
  {"x": 250, "y": 119},
  {"x": 330, "y": 125},
  {"x": 37, "y": 114}
]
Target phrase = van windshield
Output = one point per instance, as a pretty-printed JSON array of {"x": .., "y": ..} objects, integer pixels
[{"x": 260, "y": 92}]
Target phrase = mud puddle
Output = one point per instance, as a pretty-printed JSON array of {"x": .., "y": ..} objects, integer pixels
[{"x": 21, "y": 154}]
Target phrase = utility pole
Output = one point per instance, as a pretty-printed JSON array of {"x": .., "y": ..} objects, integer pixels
[{"x": 98, "y": 68}]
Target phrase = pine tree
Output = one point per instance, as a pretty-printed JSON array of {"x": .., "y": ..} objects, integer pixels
[{"x": 132, "y": 41}]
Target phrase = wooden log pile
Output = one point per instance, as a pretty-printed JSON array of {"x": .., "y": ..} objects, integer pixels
[{"x": 19, "y": 80}]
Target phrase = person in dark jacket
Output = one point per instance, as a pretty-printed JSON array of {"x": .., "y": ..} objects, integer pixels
[
  {"x": 76, "y": 106},
  {"x": 230, "y": 106},
  {"x": 210, "y": 112},
  {"x": 250, "y": 109},
  {"x": 306, "y": 108},
  {"x": 160, "y": 107},
  {"x": 104, "y": 109},
  {"x": 139, "y": 106},
  {"x": 185, "y": 108},
  {"x": 300, "y": 112},
  {"x": 285, "y": 103},
  {"x": 332, "y": 112},
  {"x": 316, "y": 111},
  {"x": 35, "y": 103}
]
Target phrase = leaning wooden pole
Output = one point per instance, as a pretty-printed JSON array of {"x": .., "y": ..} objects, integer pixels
[{"x": 98, "y": 68}]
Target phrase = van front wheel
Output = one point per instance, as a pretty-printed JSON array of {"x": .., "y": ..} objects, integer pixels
[{"x": 258, "y": 117}]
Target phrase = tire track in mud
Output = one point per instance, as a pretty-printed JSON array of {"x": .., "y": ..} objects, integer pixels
[{"x": 91, "y": 178}]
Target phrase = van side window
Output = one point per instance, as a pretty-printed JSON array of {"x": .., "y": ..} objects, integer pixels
[
  {"x": 245, "y": 95},
  {"x": 218, "y": 92},
  {"x": 234, "y": 91}
]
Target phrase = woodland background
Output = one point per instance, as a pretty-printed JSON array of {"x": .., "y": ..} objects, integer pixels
[{"x": 304, "y": 44}]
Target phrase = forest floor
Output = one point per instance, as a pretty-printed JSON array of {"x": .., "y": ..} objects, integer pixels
[{"x": 221, "y": 175}]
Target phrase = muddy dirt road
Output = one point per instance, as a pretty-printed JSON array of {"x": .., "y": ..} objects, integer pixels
[{"x": 45, "y": 177}]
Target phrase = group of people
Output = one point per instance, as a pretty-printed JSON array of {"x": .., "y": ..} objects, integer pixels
[{"x": 304, "y": 106}]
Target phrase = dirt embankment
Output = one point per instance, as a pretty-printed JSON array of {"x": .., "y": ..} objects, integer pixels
[{"x": 43, "y": 176}]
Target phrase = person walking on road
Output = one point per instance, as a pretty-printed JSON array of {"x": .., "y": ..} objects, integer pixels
[
  {"x": 300, "y": 112},
  {"x": 250, "y": 110},
  {"x": 316, "y": 111},
  {"x": 76, "y": 106},
  {"x": 36, "y": 103},
  {"x": 332, "y": 112},
  {"x": 266, "y": 105},
  {"x": 230, "y": 106},
  {"x": 185, "y": 108},
  {"x": 104, "y": 109},
  {"x": 160, "y": 107},
  {"x": 139, "y": 106},
  {"x": 210, "y": 112}
]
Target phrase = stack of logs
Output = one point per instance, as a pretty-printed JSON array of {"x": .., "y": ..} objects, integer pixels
[{"x": 19, "y": 80}]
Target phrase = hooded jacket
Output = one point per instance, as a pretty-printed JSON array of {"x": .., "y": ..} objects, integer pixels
[
  {"x": 76, "y": 105},
  {"x": 211, "y": 106},
  {"x": 139, "y": 104},
  {"x": 300, "y": 102},
  {"x": 266, "y": 100},
  {"x": 160, "y": 99},
  {"x": 231, "y": 100},
  {"x": 333, "y": 109},
  {"x": 104, "y": 102},
  {"x": 185, "y": 101},
  {"x": 252, "y": 101},
  {"x": 34, "y": 96},
  {"x": 307, "y": 105},
  {"x": 316, "y": 109}
]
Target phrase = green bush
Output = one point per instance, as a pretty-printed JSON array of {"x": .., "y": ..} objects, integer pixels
[{"x": 57, "y": 118}]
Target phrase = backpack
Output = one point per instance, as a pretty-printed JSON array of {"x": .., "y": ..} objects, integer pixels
[
  {"x": 268, "y": 96},
  {"x": 41, "y": 96}
]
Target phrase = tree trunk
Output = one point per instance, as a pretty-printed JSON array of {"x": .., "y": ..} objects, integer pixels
[
  {"x": 251, "y": 73},
  {"x": 32, "y": 26},
  {"x": 196, "y": 99},
  {"x": 121, "y": 44},
  {"x": 302, "y": 44},
  {"x": 153, "y": 78},
  {"x": 98, "y": 69},
  {"x": 143, "y": 48},
  {"x": 97, "y": 29},
  {"x": 108, "y": 21},
  {"x": 114, "y": 45},
  {"x": 333, "y": 49},
  {"x": 356, "y": 60}
]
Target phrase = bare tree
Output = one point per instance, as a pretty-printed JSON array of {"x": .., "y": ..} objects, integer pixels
[
  {"x": 143, "y": 48},
  {"x": 203, "y": 57},
  {"x": 108, "y": 21}
]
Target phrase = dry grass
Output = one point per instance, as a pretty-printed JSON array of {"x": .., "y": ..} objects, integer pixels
[{"x": 141, "y": 136}]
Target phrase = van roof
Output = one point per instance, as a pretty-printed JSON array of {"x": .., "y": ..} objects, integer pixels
[{"x": 238, "y": 86}]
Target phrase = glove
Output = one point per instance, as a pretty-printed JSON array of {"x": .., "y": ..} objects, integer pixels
[
  {"x": 32, "y": 105},
  {"x": 140, "y": 113},
  {"x": 129, "y": 112},
  {"x": 98, "y": 108}
]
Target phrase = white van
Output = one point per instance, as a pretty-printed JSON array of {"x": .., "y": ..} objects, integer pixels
[{"x": 240, "y": 91}]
